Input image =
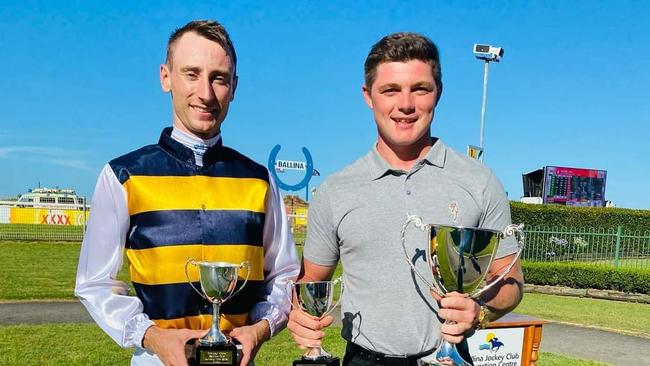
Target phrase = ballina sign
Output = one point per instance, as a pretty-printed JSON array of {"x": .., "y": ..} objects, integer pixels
[
  {"x": 276, "y": 165},
  {"x": 290, "y": 165}
]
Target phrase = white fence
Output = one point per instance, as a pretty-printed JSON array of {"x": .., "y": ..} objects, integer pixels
[{"x": 38, "y": 221}]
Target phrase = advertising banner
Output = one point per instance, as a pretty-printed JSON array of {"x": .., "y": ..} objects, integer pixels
[
  {"x": 46, "y": 216},
  {"x": 497, "y": 347}
]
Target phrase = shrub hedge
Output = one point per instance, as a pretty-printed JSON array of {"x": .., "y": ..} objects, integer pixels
[
  {"x": 584, "y": 275},
  {"x": 580, "y": 217}
]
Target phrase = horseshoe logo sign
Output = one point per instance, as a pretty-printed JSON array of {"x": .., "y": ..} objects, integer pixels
[{"x": 291, "y": 187}]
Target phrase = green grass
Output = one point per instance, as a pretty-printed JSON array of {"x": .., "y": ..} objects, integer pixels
[
  {"x": 41, "y": 232},
  {"x": 632, "y": 318},
  {"x": 86, "y": 344},
  {"x": 39, "y": 270},
  {"x": 299, "y": 237},
  {"x": 59, "y": 344},
  {"x": 47, "y": 270},
  {"x": 553, "y": 359}
]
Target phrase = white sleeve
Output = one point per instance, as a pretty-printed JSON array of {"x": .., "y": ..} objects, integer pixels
[
  {"x": 105, "y": 298},
  {"x": 280, "y": 263}
]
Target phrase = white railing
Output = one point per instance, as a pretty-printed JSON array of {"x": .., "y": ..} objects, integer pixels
[{"x": 54, "y": 206}]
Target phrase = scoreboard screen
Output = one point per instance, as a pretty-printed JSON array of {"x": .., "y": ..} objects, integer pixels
[{"x": 574, "y": 186}]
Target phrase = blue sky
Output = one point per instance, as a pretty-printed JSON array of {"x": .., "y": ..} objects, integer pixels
[{"x": 80, "y": 84}]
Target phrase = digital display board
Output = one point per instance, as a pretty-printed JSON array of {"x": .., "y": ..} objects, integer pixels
[{"x": 574, "y": 186}]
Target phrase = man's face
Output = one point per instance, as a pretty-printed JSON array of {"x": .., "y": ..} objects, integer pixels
[
  {"x": 403, "y": 98},
  {"x": 202, "y": 84}
]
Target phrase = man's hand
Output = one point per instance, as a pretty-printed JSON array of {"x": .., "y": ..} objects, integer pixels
[
  {"x": 169, "y": 344},
  {"x": 251, "y": 338},
  {"x": 306, "y": 329},
  {"x": 460, "y": 313}
]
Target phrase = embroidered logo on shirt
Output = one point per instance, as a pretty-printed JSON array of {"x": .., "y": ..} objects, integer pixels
[
  {"x": 453, "y": 209},
  {"x": 200, "y": 149}
]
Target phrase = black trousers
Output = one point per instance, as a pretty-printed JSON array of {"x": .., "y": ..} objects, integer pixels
[{"x": 358, "y": 356}]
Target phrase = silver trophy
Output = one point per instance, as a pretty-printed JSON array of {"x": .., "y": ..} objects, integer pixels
[
  {"x": 218, "y": 282},
  {"x": 458, "y": 259},
  {"x": 316, "y": 299}
]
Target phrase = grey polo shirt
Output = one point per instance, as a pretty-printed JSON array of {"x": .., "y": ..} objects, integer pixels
[{"x": 357, "y": 216}]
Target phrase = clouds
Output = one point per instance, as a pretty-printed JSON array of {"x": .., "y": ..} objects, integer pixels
[{"x": 68, "y": 158}]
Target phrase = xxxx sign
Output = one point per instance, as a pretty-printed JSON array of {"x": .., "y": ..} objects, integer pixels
[
  {"x": 55, "y": 218},
  {"x": 44, "y": 216}
]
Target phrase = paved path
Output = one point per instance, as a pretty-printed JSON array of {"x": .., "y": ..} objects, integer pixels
[
  {"x": 593, "y": 344},
  {"x": 13, "y": 313}
]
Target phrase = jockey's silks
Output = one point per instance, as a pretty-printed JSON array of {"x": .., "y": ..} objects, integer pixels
[{"x": 179, "y": 210}]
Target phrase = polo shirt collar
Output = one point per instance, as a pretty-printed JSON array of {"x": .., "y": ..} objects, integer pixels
[
  {"x": 437, "y": 154},
  {"x": 378, "y": 167}
]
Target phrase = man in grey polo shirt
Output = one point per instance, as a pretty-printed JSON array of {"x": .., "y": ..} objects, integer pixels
[{"x": 358, "y": 213}]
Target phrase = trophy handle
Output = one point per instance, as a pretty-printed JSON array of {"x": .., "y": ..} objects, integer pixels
[
  {"x": 192, "y": 262},
  {"x": 289, "y": 284},
  {"x": 248, "y": 273},
  {"x": 417, "y": 221},
  {"x": 334, "y": 282},
  {"x": 291, "y": 292},
  {"x": 511, "y": 230}
]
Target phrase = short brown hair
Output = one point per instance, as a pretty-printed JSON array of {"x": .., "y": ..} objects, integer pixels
[
  {"x": 209, "y": 29},
  {"x": 402, "y": 47}
]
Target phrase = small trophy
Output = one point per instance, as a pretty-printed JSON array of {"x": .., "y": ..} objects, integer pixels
[
  {"x": 316, "y": 299},
  {"x": 459, "y": 258},
  {"x": 218, "y": 281}
]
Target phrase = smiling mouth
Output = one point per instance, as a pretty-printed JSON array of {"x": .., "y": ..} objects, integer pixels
[
  {"x": 403, "y": 121},
  {"x": 204, "y": 109}
]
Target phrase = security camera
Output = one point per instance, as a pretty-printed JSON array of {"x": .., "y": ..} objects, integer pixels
[{"x": 487, "y": 52}]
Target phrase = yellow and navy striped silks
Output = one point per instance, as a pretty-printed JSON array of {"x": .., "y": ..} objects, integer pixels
[{"x": 179, "y": 211}]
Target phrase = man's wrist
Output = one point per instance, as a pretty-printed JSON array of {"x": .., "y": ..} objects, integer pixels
[
  {"x": 263, "y": 330},
  {"x": 134, "y": 330},
  {"x": 146, "y": 340},
  {"x": 483, "y": 317}
]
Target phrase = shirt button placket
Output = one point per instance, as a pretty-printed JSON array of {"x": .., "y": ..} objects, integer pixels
[
  {"x": 407, "y": 186},
  {"x": 408, "y": 190}
]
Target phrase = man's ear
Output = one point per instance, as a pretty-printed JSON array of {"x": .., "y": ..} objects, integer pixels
[
  {"x": 439, "y": 94},
  {"x": 366, "y": 95},
  {"x": 165, "y": 81},
  {"x": 235, "y": 79}
]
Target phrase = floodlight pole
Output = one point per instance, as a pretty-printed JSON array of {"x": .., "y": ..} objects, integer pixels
[
  {"x": 486, "y": 53},
  {"x": 483, "y": 107}
]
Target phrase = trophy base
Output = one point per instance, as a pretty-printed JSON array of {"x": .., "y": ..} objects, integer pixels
[
  {"x": 225, "y": 354},
  {"x": 330, "y": 361}
]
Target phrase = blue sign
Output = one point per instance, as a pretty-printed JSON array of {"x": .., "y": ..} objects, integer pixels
[{"x": 309, "y": 169}]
